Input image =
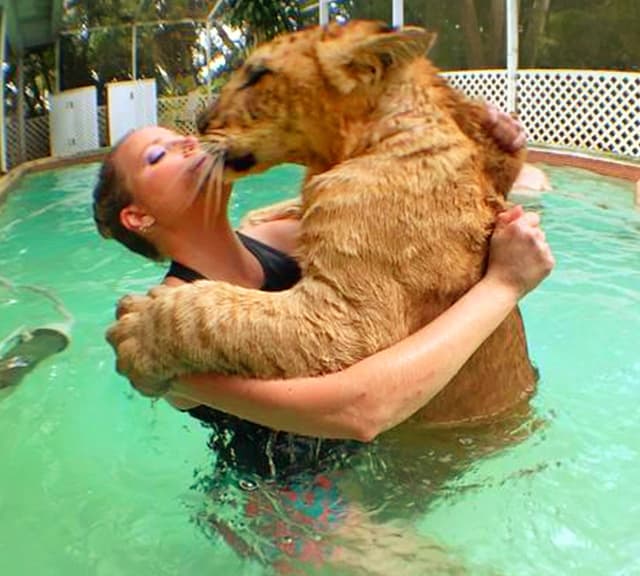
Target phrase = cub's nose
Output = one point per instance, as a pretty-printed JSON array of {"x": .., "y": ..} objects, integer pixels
[{"x": 204, "y": 118}]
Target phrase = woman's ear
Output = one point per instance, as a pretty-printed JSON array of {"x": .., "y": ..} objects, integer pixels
[{"x": 136, "y": 219}]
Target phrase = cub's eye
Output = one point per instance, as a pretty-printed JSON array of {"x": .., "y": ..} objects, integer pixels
[
  {"x": 154, "y": 154},
  {"x": 254, "y": 74}
]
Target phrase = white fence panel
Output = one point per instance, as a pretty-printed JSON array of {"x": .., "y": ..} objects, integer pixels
[
  {"x": 587, "y": 110},
  {"x": 487, "y": 85},
  {"x": 180, "y": 113},
  {"x": 73, "y": 126},
  {"x": 582, "y": 109},
  {"x": 131, "y": 105}
]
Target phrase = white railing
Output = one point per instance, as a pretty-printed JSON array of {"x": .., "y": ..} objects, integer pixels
[
  {"x": 588, "y": 110},
  {"x": 583, "y": 110},
  {"x": 180, "y": 113}
]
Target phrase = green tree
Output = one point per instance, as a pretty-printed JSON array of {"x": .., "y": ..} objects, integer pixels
[
  {"x": 600, "y": 34},
  {"x": 101, "y": 50},
  {"x": 261, "y": 20}
]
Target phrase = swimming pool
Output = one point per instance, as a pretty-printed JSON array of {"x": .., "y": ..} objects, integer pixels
[{"x": 96, "y": 480}]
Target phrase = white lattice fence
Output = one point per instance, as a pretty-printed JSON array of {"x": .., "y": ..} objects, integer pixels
[
  {"x": 102, "y": 125},
  {"x": 180, "y": 112},
  {"x": 574, "y": 109},
  {"x": 487, "y": 85},
  {"x": 13, "y": 144},
  {"x": 591, "y": 110},
  {"x": 37, "y": 137}
]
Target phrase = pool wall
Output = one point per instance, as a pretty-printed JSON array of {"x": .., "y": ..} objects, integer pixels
[{"x": 12, "y": 178}]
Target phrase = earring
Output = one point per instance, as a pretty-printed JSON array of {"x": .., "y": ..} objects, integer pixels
[{"x": 144, "y": 228}]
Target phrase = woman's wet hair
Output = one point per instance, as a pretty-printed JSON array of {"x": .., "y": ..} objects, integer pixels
[{"x": 110, "y": 196}]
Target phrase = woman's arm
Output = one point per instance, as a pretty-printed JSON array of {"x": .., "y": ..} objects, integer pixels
[{"x": 385, "y": 389}]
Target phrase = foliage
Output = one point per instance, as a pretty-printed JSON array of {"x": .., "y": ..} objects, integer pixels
[
  {"x": 38, "y": 82},
  {"x": 261, "y": 20},
  {"x": 553, "y": 33},
  {"x": 592, "y": 34},
  {"x": 92, "y": 13}
]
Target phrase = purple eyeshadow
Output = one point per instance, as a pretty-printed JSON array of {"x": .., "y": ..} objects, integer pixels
[{"x": 155, "y": 154}]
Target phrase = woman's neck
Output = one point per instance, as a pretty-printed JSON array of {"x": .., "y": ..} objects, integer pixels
[{"x": 215, "y": 251}]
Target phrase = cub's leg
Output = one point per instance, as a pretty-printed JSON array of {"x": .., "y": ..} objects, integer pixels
[
  {"x": 501, "y": 167},
  {"x": 279, "y": 211},
  {"x": 217, "y": 327}
]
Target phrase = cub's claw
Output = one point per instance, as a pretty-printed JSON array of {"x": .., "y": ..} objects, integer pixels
[
  {"x": 130, "y": 304},
  {"x": 158, "y": 292}
]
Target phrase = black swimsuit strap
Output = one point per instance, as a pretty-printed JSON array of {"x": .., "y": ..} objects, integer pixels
[
  {"x": 183, "y": 272},
  {"x": 281, "y": 271}
]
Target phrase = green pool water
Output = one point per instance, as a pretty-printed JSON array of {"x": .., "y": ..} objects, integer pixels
[{"x": 97, "y": 480}]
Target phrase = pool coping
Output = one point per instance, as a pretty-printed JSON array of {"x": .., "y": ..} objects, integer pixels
[
  {"x": 623, "y": 168},
  {"x": 10, "y": 180}
]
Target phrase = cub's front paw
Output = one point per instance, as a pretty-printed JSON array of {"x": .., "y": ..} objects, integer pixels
[{"x": 135, "y": 340}]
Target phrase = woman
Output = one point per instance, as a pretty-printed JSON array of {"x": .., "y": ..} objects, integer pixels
[{"x": 148, "y": 199}]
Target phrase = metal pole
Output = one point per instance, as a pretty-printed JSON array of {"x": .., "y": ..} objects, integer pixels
[
  {"x": 22, "y": 148},
  {"x": 134, "y": 53},
  {"x": 323, "y": 9},
  {"x": 207, "y": 52},
  {"x": 3, "y": 126},
  {"x": 57, "y": 71},
  {"x": 398, "y": 13},
  {"x": 512, "y": 55}
]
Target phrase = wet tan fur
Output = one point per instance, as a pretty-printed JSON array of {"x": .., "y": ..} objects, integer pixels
[{"x": 404, "y": 185}]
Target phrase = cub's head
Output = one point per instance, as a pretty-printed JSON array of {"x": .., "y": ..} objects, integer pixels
[{"x": 293, "y": 97}]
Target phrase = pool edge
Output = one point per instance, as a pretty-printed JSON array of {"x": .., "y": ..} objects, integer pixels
[
  {"x": 13, "y": 177},
  {"x": 624, "y": 169}
]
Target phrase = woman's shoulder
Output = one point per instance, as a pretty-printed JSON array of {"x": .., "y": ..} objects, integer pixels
[{"x": 279, "y": 234}]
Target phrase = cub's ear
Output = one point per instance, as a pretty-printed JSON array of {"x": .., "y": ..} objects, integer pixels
[{"x": 347, "y": 62}]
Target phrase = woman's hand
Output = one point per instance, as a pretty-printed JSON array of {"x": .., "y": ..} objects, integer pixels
[
  {"x": 519, "y": 255},
  {"x": 505, "y": 130}
]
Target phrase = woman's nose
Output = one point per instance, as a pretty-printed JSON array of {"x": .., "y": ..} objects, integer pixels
[{"x": 190, "y": 144}]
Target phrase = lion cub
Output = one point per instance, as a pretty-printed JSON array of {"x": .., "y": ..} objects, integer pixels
[{"x": 401, "y": 196}]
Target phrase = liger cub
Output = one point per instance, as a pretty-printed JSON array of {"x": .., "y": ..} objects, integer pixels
[{"x": 403, "y": 187}]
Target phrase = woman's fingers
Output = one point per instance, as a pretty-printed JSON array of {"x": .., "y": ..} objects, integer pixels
[
  {"x": 532, "y": 219},
  {"x": 510, "y": 215},
  {"x": 516, "y": 212},
  {"x": 507, "y": 131}
]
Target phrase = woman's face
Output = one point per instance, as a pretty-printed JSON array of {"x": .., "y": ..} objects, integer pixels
[{"x": 162, "y": 171}]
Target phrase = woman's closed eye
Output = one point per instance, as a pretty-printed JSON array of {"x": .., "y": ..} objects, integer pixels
[{"x": 155, "y": 153}]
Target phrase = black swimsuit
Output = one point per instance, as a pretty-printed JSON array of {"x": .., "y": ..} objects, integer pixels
[
  {"x": 281, "y": 271},
  {"x": 241, "y": 444}
]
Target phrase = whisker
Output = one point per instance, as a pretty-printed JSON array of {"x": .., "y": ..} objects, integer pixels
[
  {"x": 214, "y": 190},
  {"x": 205, "y": 171}
]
